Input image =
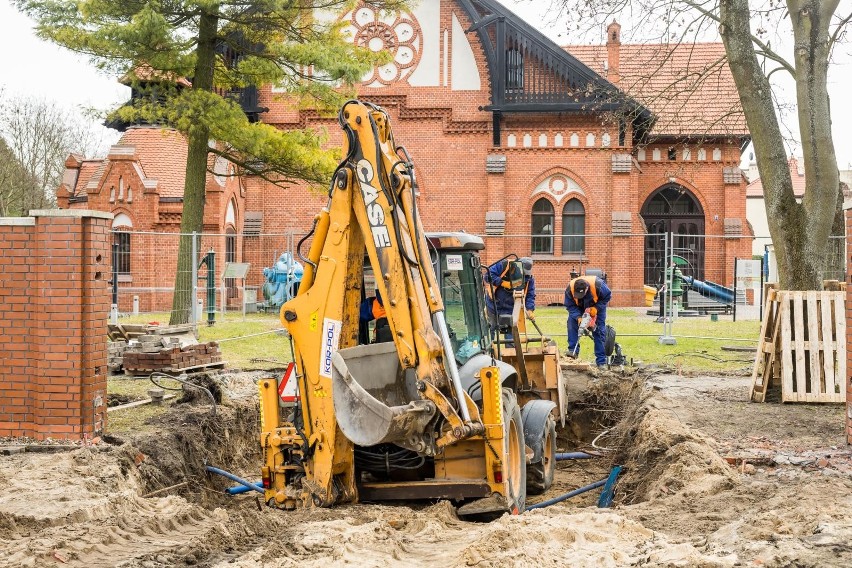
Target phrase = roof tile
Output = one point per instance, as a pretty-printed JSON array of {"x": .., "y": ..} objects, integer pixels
[
  {"x": 161, "y": 153},
  {"x": 689, "y": 87}
]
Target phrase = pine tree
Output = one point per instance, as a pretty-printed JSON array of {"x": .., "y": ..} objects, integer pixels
[{"x": 220, "y": 46}]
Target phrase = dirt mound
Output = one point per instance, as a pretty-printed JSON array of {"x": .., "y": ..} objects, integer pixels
[
  {"x": 662, "y": 456},
  {"x": 190, "y": 437}
]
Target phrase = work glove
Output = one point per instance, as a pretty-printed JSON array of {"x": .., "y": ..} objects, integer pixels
[
  {"x": 506, "y": 284},
  {"x": 579, "y": 320},
  {"x": 531, "y": 315},
  {"x": 593, "y": 311}
]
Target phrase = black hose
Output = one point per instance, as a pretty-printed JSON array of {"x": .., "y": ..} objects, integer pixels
[
  {"x": 183, "y": 382},
  {"x": 386, "y": 459},
  {"x": 299, "y": 247}
]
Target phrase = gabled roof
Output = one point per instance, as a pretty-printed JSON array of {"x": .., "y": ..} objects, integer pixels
[
  {"x": 90, "y": 172},
  {"x": 689, "y": 87},
  {"x": 755, "y": 188},
  {"x": 158, "y": 155}
]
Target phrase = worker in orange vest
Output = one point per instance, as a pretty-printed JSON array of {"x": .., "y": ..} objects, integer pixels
[
  {"x": 372, "y": 308},
  {"x": 587, "y": 294}
]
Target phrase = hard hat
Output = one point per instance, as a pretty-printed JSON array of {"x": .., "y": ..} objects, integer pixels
[
  {"x": 527, "y": 263},
  {"x": 580, "y": 289}
]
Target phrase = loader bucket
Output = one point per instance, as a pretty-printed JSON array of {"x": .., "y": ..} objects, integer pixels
[{"x": 375, "y": 401}]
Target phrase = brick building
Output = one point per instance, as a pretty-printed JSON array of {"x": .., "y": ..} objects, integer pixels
[{"x": 582, "y": 156}]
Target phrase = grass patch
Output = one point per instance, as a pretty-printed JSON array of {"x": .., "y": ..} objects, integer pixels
[
  {"x": 638, "y": 333},
  {"x": 134, "y": 420},
  {"x": 136, "y": 389}
]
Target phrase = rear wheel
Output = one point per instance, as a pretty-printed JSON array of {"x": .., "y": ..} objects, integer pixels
[
  {"x": 540, "y": 474},
  {"x": 514, "y": 455}
]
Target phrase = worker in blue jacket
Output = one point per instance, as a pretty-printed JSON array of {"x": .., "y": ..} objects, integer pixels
[
  {"x": 500, "y": 277},
  {"x": 587, "y": 294}
]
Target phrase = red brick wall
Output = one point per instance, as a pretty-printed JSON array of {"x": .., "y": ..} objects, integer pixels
[
  {"x": 54, "y": 301},
  {"x": 848, "y": 377}
]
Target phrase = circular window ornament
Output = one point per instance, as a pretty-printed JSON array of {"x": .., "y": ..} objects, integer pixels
[
  {"x": 558, "y": 185},
  {"x": 396, "y": 33}
]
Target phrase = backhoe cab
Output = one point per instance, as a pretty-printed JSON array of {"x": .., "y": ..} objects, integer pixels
[{"x": 435, "y": 412}]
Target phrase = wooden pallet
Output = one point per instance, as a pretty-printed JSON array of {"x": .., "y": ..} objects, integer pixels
[
  {"x": 766, "y": 373},
  {"x": 802, "y": 346},
  {"x": 143, "y": 373}
]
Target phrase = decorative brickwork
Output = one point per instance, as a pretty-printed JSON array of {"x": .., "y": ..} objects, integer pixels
[{"x": 54, "y": 300}]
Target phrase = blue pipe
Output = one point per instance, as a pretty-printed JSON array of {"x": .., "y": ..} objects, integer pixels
[
  {"x": 239, "y": 489},
  {"x": 568, "y": 495},
  {"x": 251, "y": 486},
  {"x": 573, "y": 456}
]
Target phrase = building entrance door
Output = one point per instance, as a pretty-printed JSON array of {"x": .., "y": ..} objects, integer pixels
[{"x": 673, "y": 209}]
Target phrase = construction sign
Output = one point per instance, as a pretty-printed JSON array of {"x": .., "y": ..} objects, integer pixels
[{"x": 288, "y": 390}]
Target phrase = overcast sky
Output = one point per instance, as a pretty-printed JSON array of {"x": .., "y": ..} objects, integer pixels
[{"x": 35, "y": 68}]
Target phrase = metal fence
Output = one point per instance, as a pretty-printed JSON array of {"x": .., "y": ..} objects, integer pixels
[
  {"x": 229, "y": 272},
  {"x": 241, "y": 272}
]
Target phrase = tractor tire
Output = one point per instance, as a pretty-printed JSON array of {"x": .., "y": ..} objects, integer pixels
[
  {"x": 514, "y": 455},
  {"x": 540, "y": 474}
]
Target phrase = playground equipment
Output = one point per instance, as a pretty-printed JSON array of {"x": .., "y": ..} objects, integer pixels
[
  {"x": 281, "y": 282},
  {"x": 681, "y": 285},
  {"x": 710, "y": 290}
]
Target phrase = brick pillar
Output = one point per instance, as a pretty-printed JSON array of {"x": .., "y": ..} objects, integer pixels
[
  {"x": 54, "y": 302},
  {"x": 17, "y": 365},
  {"x": 848, "y": 377}
]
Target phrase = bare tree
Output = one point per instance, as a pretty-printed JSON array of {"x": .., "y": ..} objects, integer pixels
[
  {"x": 748, "y": 29},
  {"x": 37, "y": 136}
]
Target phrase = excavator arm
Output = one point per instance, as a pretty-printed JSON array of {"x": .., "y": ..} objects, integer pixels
[{"x": 407, "y": 393}]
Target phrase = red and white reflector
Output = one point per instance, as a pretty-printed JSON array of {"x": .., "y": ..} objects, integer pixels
[{"x": 288, "y": 390}]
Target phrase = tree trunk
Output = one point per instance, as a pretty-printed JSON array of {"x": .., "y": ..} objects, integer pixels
[
  {"x": 822, "y": 203},
  {"x": 799, "y": 231},
  {"x": 835, "y": 255},
  {"x": 192, "y": 217}
]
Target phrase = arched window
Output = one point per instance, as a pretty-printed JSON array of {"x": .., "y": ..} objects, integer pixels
[
  {"x": 231, "y": 256},
  {"x": 121, "y": 227},
  {"x": 573, "y": 227},
  {"x": 542, "y": 227}
]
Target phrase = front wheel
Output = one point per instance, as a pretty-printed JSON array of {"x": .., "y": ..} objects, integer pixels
[
  {"x": 540, "y": 474},
  {"x": 514, "y": 455}
]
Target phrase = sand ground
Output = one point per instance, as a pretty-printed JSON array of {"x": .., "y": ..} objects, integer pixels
[{"x": 710, "y": 480}]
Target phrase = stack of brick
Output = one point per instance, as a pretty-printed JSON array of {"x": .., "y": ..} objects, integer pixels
[
  {"x": 158, "y": 354},
  {"x": 115, "y": 354}
]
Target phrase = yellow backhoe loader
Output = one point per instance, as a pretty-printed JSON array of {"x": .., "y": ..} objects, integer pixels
[{"x": 442, "y": 410}]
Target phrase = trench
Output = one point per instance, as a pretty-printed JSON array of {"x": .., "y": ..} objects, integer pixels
[
  {"x": 604, "y": 416},
  {"x": 608, "y": 414}
]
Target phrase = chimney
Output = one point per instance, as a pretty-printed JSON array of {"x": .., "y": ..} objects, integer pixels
[{"x": 613, "y": 51}]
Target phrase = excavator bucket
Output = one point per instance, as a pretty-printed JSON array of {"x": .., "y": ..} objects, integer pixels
[{"x": 375, "y": 401}]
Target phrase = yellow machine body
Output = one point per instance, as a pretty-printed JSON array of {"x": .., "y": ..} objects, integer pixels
[{"x": 403, "y": 399}]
